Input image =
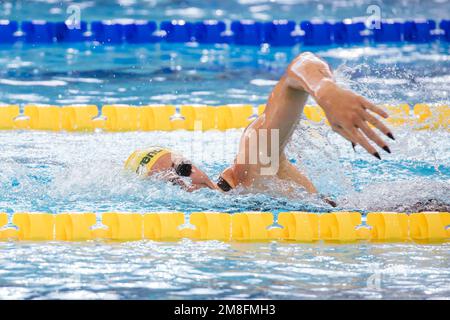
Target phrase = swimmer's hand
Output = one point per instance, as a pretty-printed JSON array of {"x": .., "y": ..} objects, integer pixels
[
  {"x": 198, "y": 179},
  {"x": 175, "y": 180},
  {"x": 201, "y": 179},
  {"x": 348, "y": 113},
  {"x": 329, "y": 201}
]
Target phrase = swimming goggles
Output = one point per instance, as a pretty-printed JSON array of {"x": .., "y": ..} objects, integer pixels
[{"x": 223, "y": 184}]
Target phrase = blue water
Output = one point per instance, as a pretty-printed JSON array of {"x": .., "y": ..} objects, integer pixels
[
  {"x": 183, "y": 74},
  {"x": 61, "y": 172}
]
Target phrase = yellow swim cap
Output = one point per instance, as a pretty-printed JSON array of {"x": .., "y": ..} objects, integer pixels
[{"x": 142, "y": 161}]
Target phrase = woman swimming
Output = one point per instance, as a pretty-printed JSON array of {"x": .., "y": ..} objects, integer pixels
[{"x": 262, "y": 145}]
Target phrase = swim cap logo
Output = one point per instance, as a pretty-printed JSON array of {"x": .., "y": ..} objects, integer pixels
[
  {"x": 145, "y": 160},
  {"x": 142, "y": 168}
]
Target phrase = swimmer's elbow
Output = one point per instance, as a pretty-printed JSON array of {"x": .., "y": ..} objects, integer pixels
[
  {"x": 306, "y": 59},
  {"x": 293, "y": 83},
  {"x": 306, "y": 71},
  {"x": 306, "y": 62}
]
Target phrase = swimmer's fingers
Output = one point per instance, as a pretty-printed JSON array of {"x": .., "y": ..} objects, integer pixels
[
  {"x": 369, "y": 105},
  {"x": 345, "y": 135},
  {"x": 378, "y": 124},
  {"x": 373, "y": 136},
  {"x": 329, "y": 201},
  {"x": 357, "y": 137}
]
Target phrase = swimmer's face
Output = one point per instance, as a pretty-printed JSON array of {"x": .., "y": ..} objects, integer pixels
[
  {"x": 178, "y": 166},
  {"x": 173, "y": 162}
]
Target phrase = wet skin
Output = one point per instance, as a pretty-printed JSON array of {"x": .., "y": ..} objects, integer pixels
[{"x": 348, "y": 113}]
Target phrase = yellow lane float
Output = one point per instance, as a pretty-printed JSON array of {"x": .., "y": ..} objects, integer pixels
[
  {"x": 398, "y": 115},
  {"x": 299, "y": 226},
  {"x": 188, "y": 117},
  {"x": 431, "y": 117},
  {"x": 245, "y": 226},
  {"x": 74, "y": 227},
  {"x": 7, "y": 116},
  {"x": 79, "y": 118}
]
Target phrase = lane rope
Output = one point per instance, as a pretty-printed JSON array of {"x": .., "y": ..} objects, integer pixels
[
  {"x": 238, "y": 32},
  {"x": 187, "y": 117},
  {"x": 424, "y": 227}
]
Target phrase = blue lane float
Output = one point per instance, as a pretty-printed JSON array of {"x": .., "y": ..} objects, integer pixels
[
  {"x": 281, "y": 33},
  {"x": 247, "y": 32},
  {"x": 178, "y": 31},
  {"x": 141, "y": 32},
  {"x": 242, "y": 32},
  {"x": 317, "y": 33},
  {"x": 66, "y": 33},
  {"x": 419, "y": 31},
  {"x": 108, "y": 32},
  {"x": 348, "y": 32},
  {"x": 8, "y": 29},
  {"x": 444, "y": 25},
  {"x": 38, "y": 31},
  {"x": 389, "y": 31},
  {"x": 211, "y": 31}
]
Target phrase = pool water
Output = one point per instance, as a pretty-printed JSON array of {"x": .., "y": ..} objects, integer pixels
[
  {"x": 213, "y": 270},
  {"x": 82, "y": 172},
  {"x": 56, "y": 172},
  {"x": 211, "y": 74}
]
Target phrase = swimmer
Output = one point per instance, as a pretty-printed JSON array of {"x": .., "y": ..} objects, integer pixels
[{"x": 348, "y": 113}]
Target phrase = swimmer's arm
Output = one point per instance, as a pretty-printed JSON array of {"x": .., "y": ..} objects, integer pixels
[
  {"x": 291, "y": 173},
  {"x": 198, "y": 178},
  {"x": 201, "y": 179},
  {"x": 287, "y": 171},
  {"x": 347, "y": 112},
  {"x": 176, "y": 180}
]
